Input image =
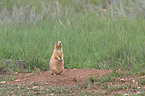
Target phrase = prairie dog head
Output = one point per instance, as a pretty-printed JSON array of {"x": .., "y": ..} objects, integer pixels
[{"x": 58, "y": 45}]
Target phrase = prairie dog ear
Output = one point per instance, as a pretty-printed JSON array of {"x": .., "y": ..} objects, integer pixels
[{"x": 56, "y": 42}]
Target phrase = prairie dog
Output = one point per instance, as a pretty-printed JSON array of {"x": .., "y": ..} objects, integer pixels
[{"x": 56, "y": 61}]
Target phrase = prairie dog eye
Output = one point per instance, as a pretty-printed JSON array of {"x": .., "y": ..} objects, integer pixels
[{"x": 60, "y": 43}]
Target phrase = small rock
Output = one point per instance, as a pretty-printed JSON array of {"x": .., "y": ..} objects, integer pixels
[
  {"x": 122, "y": 80},
  {"x": 138, "y": 87},
  {"x": 16, "y": 73},
  {"x": 74, "y": 68},
  {"x": 35, "y": 87},
  {"x": 142, "y": 76},
  {"x": 133, "y": 81},
  {"x": 125, "y": 94},
  {"x": 137, "y": 92},
  {"x": 3, "y": 82},
  {"x": 16, "y": 80}
]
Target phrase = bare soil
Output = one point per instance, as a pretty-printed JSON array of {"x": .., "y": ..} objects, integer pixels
[
  {"x": 70, "y": 77},
  {"x": 74, "y": 77}
]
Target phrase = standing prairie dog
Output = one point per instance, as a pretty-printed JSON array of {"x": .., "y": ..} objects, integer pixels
[{"x": 56, "y": 62}]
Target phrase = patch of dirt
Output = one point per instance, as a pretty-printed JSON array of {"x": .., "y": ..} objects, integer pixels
[
  {"x": 70, "y": 77},
  {"x": 129, "y": 84}
]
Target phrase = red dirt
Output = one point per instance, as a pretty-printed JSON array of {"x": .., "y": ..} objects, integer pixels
[
  {"x": 70, "y": 77},
  {"x": 74, "y": 77}
]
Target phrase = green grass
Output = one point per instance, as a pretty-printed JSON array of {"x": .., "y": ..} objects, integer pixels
[
  {"x": 106, "y": 78},
  {"x": 89, "y": 42},
  {"x": 23, "y": 89},
  {"x": 119, "y": 87},
  {"x": 91, "y": 38}
]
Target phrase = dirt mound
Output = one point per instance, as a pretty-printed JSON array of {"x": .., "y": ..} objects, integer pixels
[
  {"x": 70, "y": 77},
  {"x": 43, "y": 82}
]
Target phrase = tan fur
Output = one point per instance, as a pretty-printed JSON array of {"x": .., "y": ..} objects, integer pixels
[{"x": 56, "y": 62}]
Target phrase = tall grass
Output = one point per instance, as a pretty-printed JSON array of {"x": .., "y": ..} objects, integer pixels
[{"x": 104, "y": 41}]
